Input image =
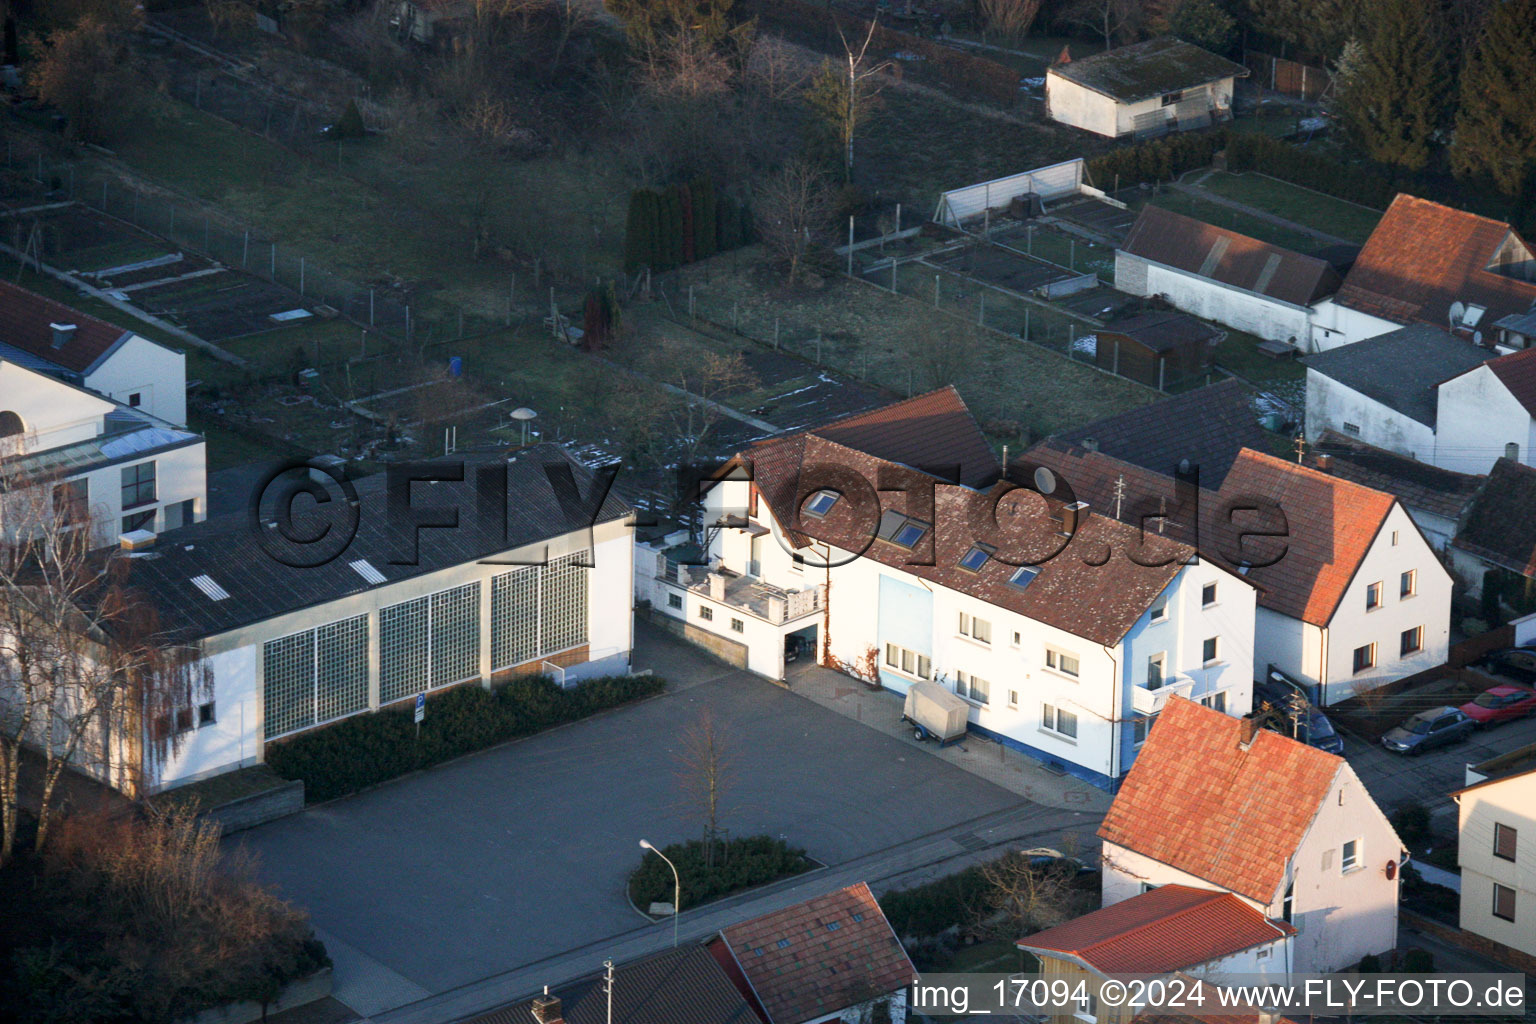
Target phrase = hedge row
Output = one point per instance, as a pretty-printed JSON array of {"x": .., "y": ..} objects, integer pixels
[
  {"x": 939, "y": 905},
  {"x": 368, "y": 749},
  {"x": 1158, "y": 160},
  {"x": 681, "y": 224},
  {"x": 816, "y": 26},
  {"x": 739, "y": 864},
  {"x": 1252, "y": 151}
]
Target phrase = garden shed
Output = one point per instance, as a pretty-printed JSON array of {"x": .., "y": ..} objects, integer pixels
[
  {"x": 1148, "y": 89},
  {"x": 1159, "y": 349}
]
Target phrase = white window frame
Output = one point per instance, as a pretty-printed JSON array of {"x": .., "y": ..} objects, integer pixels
[
  {"x": 1213, "y": 590},
  {"x": 897, "y": 658},
  {"x": 1375, "y": 595},
  {"x": 1050, "y": 722},
  {"x": 977, "y": 629},
  {"x": 1351, "y": 860},
  {"x": 1214, "y": 643},
  {"x": 1055, "y": 661},
  {"x": 1408, "y": 584}
]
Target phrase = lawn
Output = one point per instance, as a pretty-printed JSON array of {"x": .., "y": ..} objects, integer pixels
[
  {"x": 1234, "y": 220},
  {"x": 1077, "y": 254},
  {"x": 1301, "y": 205}
]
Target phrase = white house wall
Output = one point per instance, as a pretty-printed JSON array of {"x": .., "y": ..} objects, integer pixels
[
  {"x": 1477, "y": 417},
  {"x": 181, "y": 474},
  {"x": 53, "y": 414},
  {"x": 1335, "y": 406},
  {"x": 1071, "y": 104},
  {"x": 1290, "y": 645},
  {"x": 1212, "y": 300},
  {"x": 158, "y": 375},
  {"x": 232, "y": 740},
  {"x": 1334, "y": 325},
  {"x": 1512, "y": 803}
]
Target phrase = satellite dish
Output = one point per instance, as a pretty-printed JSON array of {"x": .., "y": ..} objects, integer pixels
[{"x": 1045, "y": 480}]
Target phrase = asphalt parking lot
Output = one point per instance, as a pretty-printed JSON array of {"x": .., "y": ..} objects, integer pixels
[{"x": 521, "y": 852}]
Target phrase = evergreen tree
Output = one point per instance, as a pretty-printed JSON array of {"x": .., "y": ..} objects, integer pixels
[
  {"x": 669, "y": 230},
  {"x": 727, "y": 225},
  {"x": 637, "y": 242},
  {"x": 1392, "y": 96},
  {"x": 704, "y": 214},
  {"x": 685, "y": 224},
  {"x": 1496, "y": 125},
  {"x": 1205, "y": 23},
  {"x": 351, "y": 124}
]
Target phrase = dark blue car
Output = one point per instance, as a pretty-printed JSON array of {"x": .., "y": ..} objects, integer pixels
[{"x": 1295, "y": 714}]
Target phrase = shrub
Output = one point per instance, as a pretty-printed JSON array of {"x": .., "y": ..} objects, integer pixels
[
  {"x": 1418, "y": 961},
  {"x": 1370, "y": 964},
  {"x": 365, "y": 750},
  {"x": 351, "y": 124},
  {"x": 934, "y": 908},
  {"x": 739, "y": 864},
  {"x": 1158, "y": 160},
  {"x": 1411, "y": 821},
  {"x": 1252, "y": 151}
]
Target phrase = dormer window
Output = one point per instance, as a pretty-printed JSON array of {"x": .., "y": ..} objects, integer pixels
[{"x": 820, "y": 503}]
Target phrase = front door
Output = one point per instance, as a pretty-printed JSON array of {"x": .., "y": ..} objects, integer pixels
[{"x": 755, "y": 558}]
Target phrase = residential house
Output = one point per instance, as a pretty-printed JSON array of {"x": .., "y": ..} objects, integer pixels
[
  {"x": 1173, "y": 928},
  {"x": 679, "y": 986},
  {"x": 1496, "y": 538},
  {"x": 1350, "y": 593},
  {"x": 1435, "y": 498},
  {"x": 1220, "y": 275},
  {"x": 116, "y": 466},
  {"x": 1159, "y": 349},
  {"x": 50, "y": 337},
  {"x": 1487, "y": 413},
  {"x": 1496, "y": 851},
  {"x": 1218, "y": 803},
  {"x": 293, "y": 639},
  {"x": 1062, "y": 643},
  {"x": 1147, "y": 89},
  {"x": 1432, "y": 264},
  {"x": 830, "y": 958}
]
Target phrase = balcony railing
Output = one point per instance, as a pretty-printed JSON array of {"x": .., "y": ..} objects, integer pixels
[
  {"x": 1149, "y": 698},
  {"x": 764, "y": 600}
]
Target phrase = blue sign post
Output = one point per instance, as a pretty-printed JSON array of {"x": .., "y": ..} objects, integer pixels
[{"x": 421, "y": 712}]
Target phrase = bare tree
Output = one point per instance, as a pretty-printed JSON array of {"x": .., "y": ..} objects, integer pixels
[
  {"x": 1009, "y": 19},
  {"x": 843, "y": 95},
  {"x": 86, "y": 677},
  {"x": 88, "y": 73},
  {"x": 706, "y": 773},
  {"x": 708, "y": 379},
  {"x": 1112, "y": 19},
  {"x": 948, "y": 356},
  {"x": 1027, "y": 896},
  {"x": 794, "y": 207}
]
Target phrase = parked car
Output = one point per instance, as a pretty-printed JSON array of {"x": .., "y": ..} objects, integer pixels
[
  {"x": 1042, "y": 858},
  {"x": 1286, "y": 698},
  {"x": 1515, "y": 662},
  {"x": 1437, "y": 727},
  {"x": 1500, "y": 704}
]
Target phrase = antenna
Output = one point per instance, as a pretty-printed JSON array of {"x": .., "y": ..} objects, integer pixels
[
  {"x": 1301, "y": 447},
  {"x": 608, "y": 986},
  {"x": 1119, "y": 494}
]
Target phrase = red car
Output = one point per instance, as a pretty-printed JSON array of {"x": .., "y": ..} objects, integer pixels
[{"x": 1501, "y": 704}]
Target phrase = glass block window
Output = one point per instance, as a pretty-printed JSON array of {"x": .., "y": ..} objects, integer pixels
[
  {"x": 402, "y": 649},
  {"x": 341, "y": 668},
  {"x": 315, "y": 676},
  {"x": 288, "y": 683},
  {"x": 454, "y": 638},
  {"x": 515, "y": 617},
  {"x": 563, "y": 609}
]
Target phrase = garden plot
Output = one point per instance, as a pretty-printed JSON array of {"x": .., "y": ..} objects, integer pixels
[
  {"x": 1007, "y": 269},
  {"x": 1100, "y": 218},
  {"x": 77, "y": 238},
  {"x": 223, "y": 305}
]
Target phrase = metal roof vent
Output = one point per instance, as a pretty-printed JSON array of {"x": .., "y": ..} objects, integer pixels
[
  {"x": 63, "y": 334},
  {"x": 210, "y": 589}
]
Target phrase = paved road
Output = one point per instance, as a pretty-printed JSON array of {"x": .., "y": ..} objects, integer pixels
[{"x": 519, "y": 854}]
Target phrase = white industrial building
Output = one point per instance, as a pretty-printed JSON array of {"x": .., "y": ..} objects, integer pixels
[{"x": 1147, "y": 89}]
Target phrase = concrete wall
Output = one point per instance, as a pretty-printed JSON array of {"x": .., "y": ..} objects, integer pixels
[
  {"x": 260, "y": 808},
  {"x": 1210, "y": 300},
  {"x": 158, "y": 375},
  {"x": 1335, "y": 406},
  {"x": 233, "y": 739},
  {"x": 1510, "y": 802},
  {"x": 1477, "y": 417},
  {"x": 1071, "y": 104}
]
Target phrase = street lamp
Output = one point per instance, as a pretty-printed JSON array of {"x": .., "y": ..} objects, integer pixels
[{"x": 677, "y": 894}]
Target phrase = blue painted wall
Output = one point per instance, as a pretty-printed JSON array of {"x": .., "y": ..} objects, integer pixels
[{"x": 904, "y": 617}]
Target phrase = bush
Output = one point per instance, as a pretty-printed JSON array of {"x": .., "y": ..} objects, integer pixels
[
  {"x": 1252, "y": 151},
  {"x": 934, "y": 908},
  {"x": 1411, "y": 822},
  {"x": 351, "y": 124},
  {"x": 365, "y": 750},
  {"x": 1158, "y": 160},
  {"x": 1370, "y": 964},
  {"x": 1418, "y": 961},
  {"x": 739, "y": 864}
]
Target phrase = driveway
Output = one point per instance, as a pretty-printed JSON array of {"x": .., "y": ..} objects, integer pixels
[
  {"x": 1394, "y": 780},
  {"x": 520, "y": 853}
]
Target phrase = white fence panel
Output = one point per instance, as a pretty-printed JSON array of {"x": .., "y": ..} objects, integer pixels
[{"x": 1053, "y": 182}]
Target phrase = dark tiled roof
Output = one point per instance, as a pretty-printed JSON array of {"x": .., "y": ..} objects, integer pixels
[
  {"x": 934, "y": 432},
  {"x": 680, "y": 986},
  {"x": 261, "y": 587},
  {"x": 1418, "y": 485},
  {"x": 1229, "y": 258},
  {"x": 1500, "y": 524},
  {"x": 1400, "y": 369},
  {"x": 821, "y": 956},
  {"x": 1166, "y": 929},
  {"x": 1423, "y": 256},
  {"x": 1207, "y": 426},
  {"x": 1517, "y": 372},
  {"x": 24, "y": 323},
  {"x": 1164, "y": 332},
  {"x": 1331, "y": 524},
  {"x": 1198, "y": 801},
  {"x": 1148, "y": 69},
  {"x": 1087, "y": 586}
]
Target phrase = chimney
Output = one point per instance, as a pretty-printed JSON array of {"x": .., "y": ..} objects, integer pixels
[
  {"x": 62, "y": 334},
  {"x": 137, "y": 540},
  {"x": 1073, "y": 516},
  {"x": 1324, "y": 463},
  {"x": 717, "y": 586},
  {"x": 546, "y": 1008},
  {"x": 1248, "y": 729},
  {"x": 1091, "y": 444}
]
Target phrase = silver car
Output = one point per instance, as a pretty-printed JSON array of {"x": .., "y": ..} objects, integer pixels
[{"x": 1437, "y": 727}]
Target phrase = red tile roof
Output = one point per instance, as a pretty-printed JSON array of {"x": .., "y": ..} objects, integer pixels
[
  {"x": 1087, "y": 585},
  {"x": 24, "y": 323},
  {"x": 1423, "y": 256},
  {"x": 1331, "y": 524},
  {"x": 1167, "y": 929},
  {"x": 1517, "y": 372},
  {"x": 821, "y": 956},
  {"x": 1198, "y": 801},
  {"x": 1196, "y": 247}
]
